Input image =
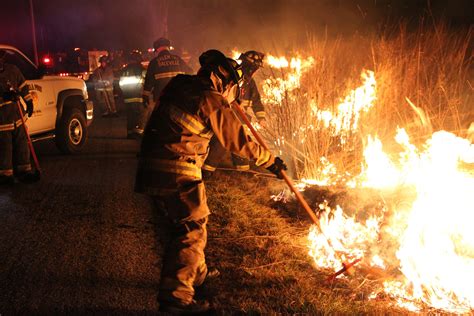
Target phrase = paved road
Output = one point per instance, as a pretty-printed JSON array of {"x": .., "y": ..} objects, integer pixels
[{"x": 80, "y": 241}]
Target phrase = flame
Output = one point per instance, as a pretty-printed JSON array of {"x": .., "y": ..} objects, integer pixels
[
  {"x": 346, "y": 119},
  {"x": 275, "y": 89},
  {"x": 436, "y": 252},
  {"x": 346, "y": 235},
  {"x": 235, "y": 54},
  {"x": 434, "y": 243}
]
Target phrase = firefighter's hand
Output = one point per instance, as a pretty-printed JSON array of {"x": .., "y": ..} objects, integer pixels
[
  {"x": 146, "y": 101},
  {"x": 29, "y": 108},
  {"x": 10, "y": 95},
  {"x": 277, "y": 167}
]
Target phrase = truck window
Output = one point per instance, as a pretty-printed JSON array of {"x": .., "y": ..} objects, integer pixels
[{"x": 28, "y": 70}]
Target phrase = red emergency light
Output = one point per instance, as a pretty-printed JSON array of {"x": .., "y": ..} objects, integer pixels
[{"x": 47, "y": 61}]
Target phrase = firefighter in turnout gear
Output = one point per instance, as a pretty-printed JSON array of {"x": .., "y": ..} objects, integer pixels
[
  {"x": 161, "y": 69},
  {"x": 131, "y": 84},
  {"x": 250, "y": 101},
  {"x": 14, "y": 151},
  {"x": 103, "y": 78},
  {"x": 175, "y": 144}
]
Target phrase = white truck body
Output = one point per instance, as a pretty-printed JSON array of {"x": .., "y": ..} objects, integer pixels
[{"x": 54, "y": 98}]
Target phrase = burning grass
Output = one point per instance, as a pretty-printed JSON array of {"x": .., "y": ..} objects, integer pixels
[
  {"x": 338, "y": 131},
  {"x": 422, "y": 81},
  {"x": 262, "y": 253}
]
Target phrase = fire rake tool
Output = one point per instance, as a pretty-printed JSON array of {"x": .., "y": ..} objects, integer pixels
[{"x": 346, "y": 266}]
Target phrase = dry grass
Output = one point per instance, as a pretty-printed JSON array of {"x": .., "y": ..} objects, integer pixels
[
  {"x": 432, "y": 67},
  {"x": 262, "y": 254},
  {"x": 261, "y": 249}
]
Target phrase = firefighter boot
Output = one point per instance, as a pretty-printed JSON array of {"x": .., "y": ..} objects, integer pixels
[
  {"x": 6, "y": 180},
  {"x": 30, "y": 177},
  {"x": 193, "y": 308}
]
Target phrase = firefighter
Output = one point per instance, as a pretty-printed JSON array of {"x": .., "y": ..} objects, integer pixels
[
  {"x": 250, "y": 101},
  {"x": 14, "y": 151},
  {"x": 192, "y": 109},
  {"x": 103, "y": 82},
  {"x": 161, "y": 69},
  {"x": 131, "y": 84}
]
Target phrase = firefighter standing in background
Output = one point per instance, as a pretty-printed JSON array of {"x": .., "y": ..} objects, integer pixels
[
  {"x": 160, "y": 71},
  {"x": 103, "y": 82},
  {"x": 250, "y": 101},
  {"x": 131, "y": 84},
  {"x": 14, "y": 151},
  {"x": 175, "y": 144}
]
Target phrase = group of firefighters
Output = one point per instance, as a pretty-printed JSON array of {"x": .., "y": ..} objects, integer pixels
[{"x": 188, "y": 130}]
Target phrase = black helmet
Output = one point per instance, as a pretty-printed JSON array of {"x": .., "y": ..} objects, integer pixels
[
  {"x": 252, "y": 58},
  {"x": 213, "y": 58},
  {"x": 161, "y": 42}
]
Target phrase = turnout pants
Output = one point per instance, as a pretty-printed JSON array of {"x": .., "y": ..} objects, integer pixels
[
  {"x": 136, "y": 114},
  {"x": 14, "y": 152},
  {"x": 105, "y": 97},
  {"x": 184, "y": 236}
]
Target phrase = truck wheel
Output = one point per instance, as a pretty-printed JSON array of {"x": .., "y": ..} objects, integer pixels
[{"x": 72, "y": 132}]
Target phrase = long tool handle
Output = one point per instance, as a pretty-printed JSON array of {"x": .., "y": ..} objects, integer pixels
[
  {"x": 30, "y": 143},
  {"x": 290, "y": 184},
  {"x": 285, "y": 177}
]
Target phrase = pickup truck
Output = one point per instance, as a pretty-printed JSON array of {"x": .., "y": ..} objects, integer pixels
[{"x": 62, "y": 109}]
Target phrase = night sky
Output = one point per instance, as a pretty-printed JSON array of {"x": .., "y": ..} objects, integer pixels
[{"x": 196, "y": 25}]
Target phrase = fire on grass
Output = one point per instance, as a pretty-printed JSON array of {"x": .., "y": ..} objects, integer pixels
[{"x": 430, "y": 225}]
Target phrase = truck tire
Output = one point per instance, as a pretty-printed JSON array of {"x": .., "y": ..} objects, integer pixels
[{"x": 71, "y": 133}]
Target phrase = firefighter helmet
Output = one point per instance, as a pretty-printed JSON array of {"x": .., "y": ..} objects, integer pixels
[
  {"x": 161, "y": 42},
  {"x": 213, "y": 58},
  {"x": 252, "y": 58}
]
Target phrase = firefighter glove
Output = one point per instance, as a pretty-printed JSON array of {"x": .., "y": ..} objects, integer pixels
[
  {"x": 146, "y": 100},
  {"x": 277, "y": 167},
  {"x": 10, "y": 95},
  {"x": 29, "y": 108}
]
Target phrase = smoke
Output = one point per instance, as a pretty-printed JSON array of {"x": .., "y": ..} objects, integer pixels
[
  {"x": 197, "y": 25},
  {"x": 278, "y": 26}
]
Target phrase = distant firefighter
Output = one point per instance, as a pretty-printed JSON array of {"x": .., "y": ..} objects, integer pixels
[
  {"x": 250, "y": 100},
  {"x": 161, "y": 69},
  {"x": 103, "y": 78},
  {"x": 131, "y": 84},
  {"x": 14, "y": 151}
]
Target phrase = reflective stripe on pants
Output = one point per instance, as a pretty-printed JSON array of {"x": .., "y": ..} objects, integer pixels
[{"x": 14, "y": 147}]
